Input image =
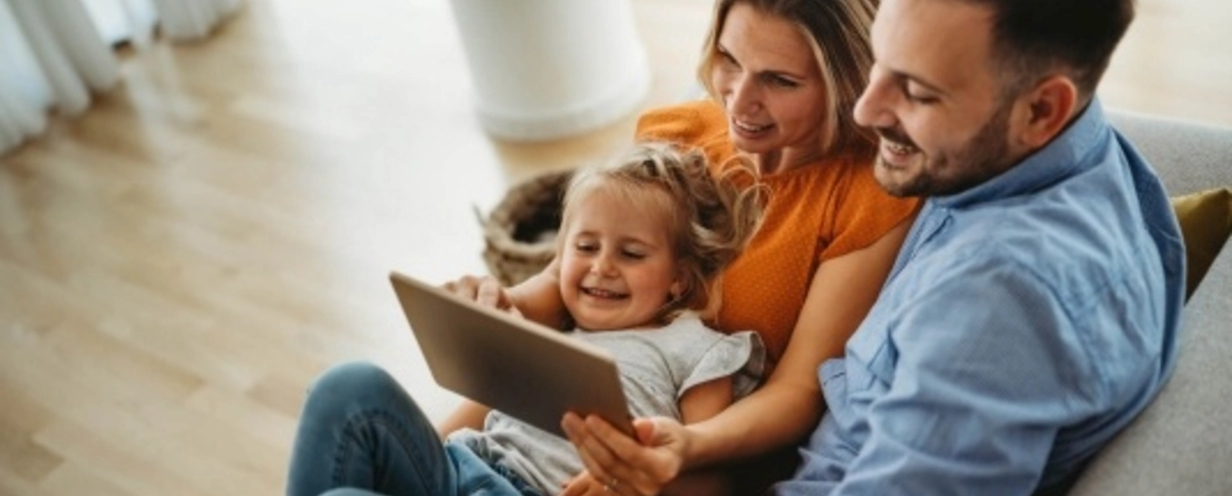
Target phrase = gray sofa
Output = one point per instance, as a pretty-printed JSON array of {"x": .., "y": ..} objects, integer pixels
[{"x": 1181, "y": 445}]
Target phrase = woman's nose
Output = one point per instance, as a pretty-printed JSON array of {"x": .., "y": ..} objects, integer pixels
[{"x": 744, "y": 98}]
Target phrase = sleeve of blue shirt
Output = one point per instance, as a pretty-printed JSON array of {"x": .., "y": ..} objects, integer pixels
[{"x": 987, "y": 365}]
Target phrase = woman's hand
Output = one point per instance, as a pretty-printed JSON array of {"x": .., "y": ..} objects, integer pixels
[
  {"x": 626, "y": 466},
  {"x": 585, "y": 485},
  {"x": 484, "y": 290}
]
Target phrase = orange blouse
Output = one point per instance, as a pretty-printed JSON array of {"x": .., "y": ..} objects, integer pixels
[{"x": 814, "y": 213}]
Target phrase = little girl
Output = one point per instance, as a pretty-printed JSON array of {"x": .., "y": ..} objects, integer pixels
[{"x": 641, "y": 244}]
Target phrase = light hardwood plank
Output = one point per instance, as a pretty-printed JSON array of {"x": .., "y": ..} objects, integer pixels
[{"x": 179, "y": 263}]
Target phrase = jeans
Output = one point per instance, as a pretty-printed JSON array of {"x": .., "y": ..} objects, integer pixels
[{"x": 361, "y": 434}]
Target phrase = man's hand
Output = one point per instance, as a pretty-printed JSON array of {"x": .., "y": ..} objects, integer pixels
[{"x": 629, "y": 467}]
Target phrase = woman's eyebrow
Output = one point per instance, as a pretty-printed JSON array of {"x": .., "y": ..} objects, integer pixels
[
  {"x": 784, "y": 74},
  {"x": 773, "y": 72}
]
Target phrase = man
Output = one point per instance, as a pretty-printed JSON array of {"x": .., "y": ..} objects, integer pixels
[{"x": 1032, "y": 312}]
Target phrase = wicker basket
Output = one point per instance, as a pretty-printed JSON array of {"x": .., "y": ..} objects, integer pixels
[{"x": 520, "y": 233}]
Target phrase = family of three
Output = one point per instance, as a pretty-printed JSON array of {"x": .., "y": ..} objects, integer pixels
[{"x": 945, "y": 274}]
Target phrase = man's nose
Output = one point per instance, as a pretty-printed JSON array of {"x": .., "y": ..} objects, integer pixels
[{"x": 873, "y": 109}]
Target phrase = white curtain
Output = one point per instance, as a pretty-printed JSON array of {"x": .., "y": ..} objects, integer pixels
[
  {"x": 55, "y": 53},
  {"x": 192, "y": 19},
  {"x": 123, "y": 20},
  {"x": 179, "y": 20},
  {"x": 52, "y": 56}
]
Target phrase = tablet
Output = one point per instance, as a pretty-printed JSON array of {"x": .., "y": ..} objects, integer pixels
[{"x": 514, "y": 365}]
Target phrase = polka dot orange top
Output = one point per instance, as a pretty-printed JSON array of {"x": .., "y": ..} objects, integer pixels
[{"x": 814, "y": 213}]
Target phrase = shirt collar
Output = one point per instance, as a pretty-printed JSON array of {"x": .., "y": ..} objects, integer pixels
[{"x": 1061, "y": 158}]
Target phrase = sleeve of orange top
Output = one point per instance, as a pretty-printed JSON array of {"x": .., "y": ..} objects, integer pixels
[
  {"x": 699, "y": 124},
  {"x": 865, "y": 214},
  {"x": 683, "y": 123}
]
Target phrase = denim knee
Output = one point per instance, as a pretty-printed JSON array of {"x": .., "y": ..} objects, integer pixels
[
  {"x": 347, "y": 386},
  {"x": 354, "y": 376}
]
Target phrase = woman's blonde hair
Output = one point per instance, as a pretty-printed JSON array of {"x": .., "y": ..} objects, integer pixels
[
  {"x": 710, "y": 218},
  {"x": 838, "y": 31}
]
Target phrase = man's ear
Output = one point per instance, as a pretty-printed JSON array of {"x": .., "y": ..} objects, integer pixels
[{"x": 1045, "y": 110}]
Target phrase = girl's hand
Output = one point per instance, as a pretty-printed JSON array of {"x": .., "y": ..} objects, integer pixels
[
  {"x": 484, "y": 290},
  {"x": 626, "y": 466}
]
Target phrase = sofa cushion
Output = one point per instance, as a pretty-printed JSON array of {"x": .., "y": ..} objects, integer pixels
[{"x": 1206, "y": 222}]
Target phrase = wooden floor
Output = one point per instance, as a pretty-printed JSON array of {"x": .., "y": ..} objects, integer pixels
[{"x": 177, "y": 264}]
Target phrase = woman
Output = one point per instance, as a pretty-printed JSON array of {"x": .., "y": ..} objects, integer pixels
[{"x": 783, "y": 76}]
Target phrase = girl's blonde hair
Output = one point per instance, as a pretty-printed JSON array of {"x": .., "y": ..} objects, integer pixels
[
  {"x": 710, "y": 218},
  {"x": 838, "y": 31}
]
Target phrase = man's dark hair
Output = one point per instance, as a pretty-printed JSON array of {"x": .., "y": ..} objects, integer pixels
[{"x": 1032, "y": 37}]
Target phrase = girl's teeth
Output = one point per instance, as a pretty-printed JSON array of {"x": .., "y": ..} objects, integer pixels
[{"x": 600, "y": 293}]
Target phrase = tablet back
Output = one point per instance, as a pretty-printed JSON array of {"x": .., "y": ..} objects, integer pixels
[{"x": 519, "y": 367}]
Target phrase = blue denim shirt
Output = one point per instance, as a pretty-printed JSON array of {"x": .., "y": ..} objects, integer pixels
[{"x": 1025, "y": 322}]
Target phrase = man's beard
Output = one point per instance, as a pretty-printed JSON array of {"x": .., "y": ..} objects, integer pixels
[{"x": 986, "y": 155}]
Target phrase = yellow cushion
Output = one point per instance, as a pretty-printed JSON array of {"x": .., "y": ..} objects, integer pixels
[{"x": 1206, "y": 223}]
